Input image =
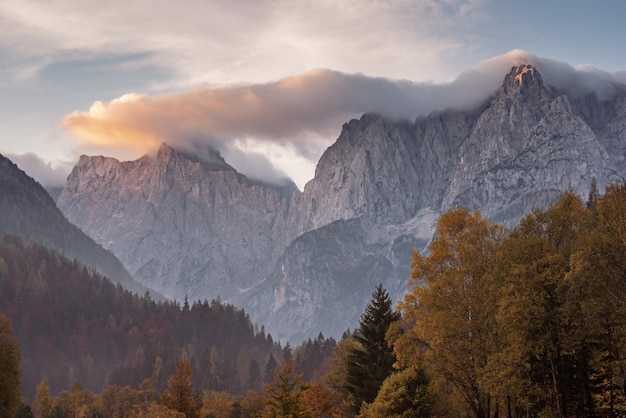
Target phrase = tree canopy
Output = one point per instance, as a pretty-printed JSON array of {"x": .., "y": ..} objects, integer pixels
[{"x": 527, "y": 322}]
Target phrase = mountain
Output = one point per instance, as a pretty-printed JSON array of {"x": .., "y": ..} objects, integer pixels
[
  {"x": 313, "y": 258},
  {"x": 29, "y": 212},
  {"x": 182, "y": 225}
]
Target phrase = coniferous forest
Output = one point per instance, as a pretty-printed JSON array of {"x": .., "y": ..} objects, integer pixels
[{"x": 528, "y": 322}]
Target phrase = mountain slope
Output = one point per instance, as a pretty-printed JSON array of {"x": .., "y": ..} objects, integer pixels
[
  {"x": 312, "y": 259},
  {"x": 28, "y": 211}
]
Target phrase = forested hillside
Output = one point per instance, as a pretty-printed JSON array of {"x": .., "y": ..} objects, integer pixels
[
  {"x": 75, "y": 326},
  {"x": 29, "y": 212}
]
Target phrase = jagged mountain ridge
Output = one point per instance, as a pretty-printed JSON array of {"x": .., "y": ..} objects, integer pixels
[
  {"x": 30, "y": 213},
  {"x": 376, "y": 194},
  {"x": 182, "y": 226}
]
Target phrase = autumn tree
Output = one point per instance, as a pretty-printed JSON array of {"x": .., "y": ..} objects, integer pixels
[
  {"x": 77, "y": 402},
  {"x": 404, "y": 394},
  {"x": 43, "y": 401},
  {"x": 336, "y": 376},
  {"x": 242, "y": 371},
  {"x": 216, "y": 404},
  {"x": 284, "y": 395},
  {"x": 9, "y": 369},
  {"x": 370, "y": 363},
  {"x": 542, "y": 363},
  {"x": 179, "y": 394},
  {"x": 450, "y": 310},
  {"x": 321, "y": 401}
]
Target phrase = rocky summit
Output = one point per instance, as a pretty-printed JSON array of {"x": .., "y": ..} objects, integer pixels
[{"x": 301, "y": 263}]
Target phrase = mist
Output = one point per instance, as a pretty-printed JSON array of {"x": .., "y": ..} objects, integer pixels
[{"x": 45, "y": 173}]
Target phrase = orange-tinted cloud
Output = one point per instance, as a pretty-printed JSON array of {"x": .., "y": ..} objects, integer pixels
[{"x": 302, "y": 113}]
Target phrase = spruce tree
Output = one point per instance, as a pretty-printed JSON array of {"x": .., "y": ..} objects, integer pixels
[
  {"x": 270, "y": 369},
  {"x": 370, "y": 364}
]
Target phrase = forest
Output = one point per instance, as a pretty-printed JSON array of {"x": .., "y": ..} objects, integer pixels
[
  {"x": 75, "y": 327},
  {"x": 526, "y": 322}
]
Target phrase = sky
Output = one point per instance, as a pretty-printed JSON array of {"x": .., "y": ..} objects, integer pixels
[{"x": 269, "y": 83}]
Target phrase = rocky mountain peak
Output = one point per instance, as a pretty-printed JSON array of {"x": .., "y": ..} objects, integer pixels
[
  {"x": 210, "y": 158},
  {"x": 523, "y": 80},
  {"x": 164, "y": 151}
]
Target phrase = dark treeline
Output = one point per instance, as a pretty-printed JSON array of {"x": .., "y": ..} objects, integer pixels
[{"x": 76, "y": 326}]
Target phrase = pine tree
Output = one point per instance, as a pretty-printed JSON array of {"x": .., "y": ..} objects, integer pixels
[
  {"x": 287, "y": 355},
  {"x": 270, "y": 369},
  {"x": 371, "y": 363}
]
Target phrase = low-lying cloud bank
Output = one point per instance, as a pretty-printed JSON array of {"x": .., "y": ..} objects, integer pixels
[
  {"x": 301, "y": 114},
  {"x": 46, "y": 173}
]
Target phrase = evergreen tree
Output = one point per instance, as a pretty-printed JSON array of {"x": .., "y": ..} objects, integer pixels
[
  {"x": 371, "y": 363},
  {"x": 270, "y": 369},
  {"x": 254, "y": 375},
  {"x": 9, "y": 369},
  {"x": 593, "y": 195},
  {"x": 287, "y": 354}
]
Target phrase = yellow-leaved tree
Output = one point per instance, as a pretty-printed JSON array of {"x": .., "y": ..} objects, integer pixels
[
  {"x": 451, "y": 310},
  {"x": 179, "y": 394}
]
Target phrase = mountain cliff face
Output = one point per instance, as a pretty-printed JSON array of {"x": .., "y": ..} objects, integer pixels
[
  {"x": 181, "y": 225},
  {"x": 301, "y": 263},
  {"x": 528, "y": 140}
]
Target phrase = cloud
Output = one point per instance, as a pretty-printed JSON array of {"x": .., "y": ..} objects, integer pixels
[
  {"x": 253, "y": 40},
  {"x": 46, "y": 173},
  {"x": 300, "y": 113}
]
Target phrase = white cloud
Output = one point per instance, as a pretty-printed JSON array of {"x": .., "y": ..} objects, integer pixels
[
  {"x": 223, "y": 41},
  {"x": 46, "y": 173}
]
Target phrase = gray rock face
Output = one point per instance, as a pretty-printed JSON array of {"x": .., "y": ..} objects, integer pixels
[
  {"x": 301, "y": 263},
  {"x": 528, "y": 140},
  {"x": 180, "y": 225}
]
